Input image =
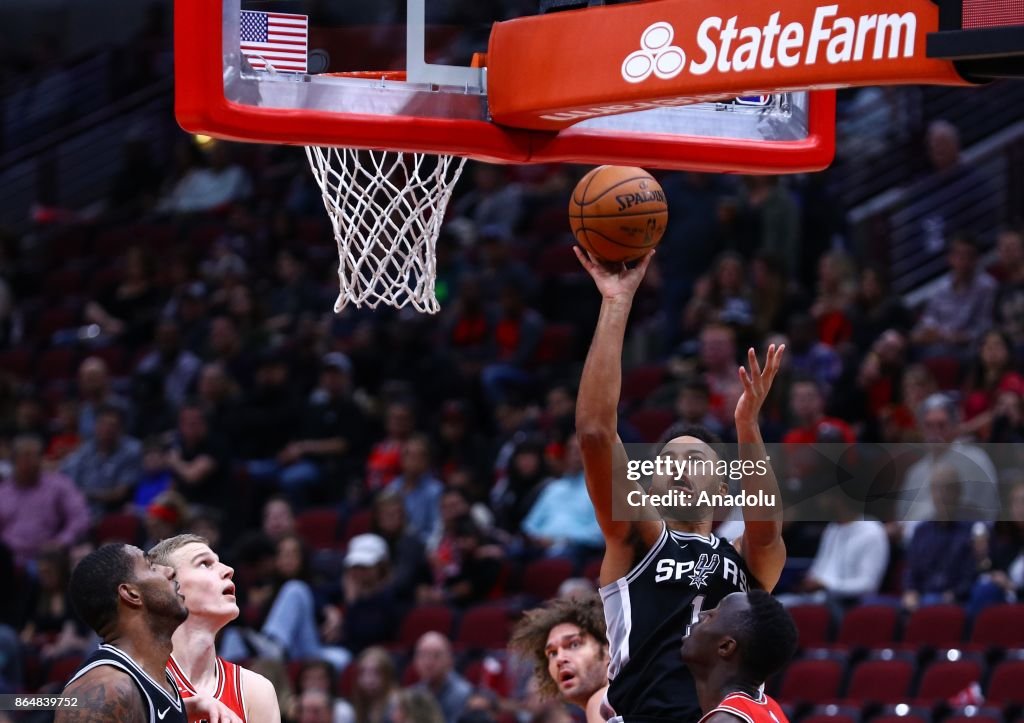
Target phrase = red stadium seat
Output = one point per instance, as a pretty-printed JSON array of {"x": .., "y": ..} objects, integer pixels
[
  {"x": 870, "y": 626},
  {"x": 409, "y": 675},
  {"x": 881, "y": 681},
  {"x": 946, "y": 678},
  {"x": 813, "y": 623},
  {"x": 592, "y": 570},
  {"x": 999, "y": 626},
  {"x": 555, "y": 346},
  {"x": 541, "y": 578},
  {"x": 946, "y": 371},
  {"x": 485, "y": 626},
  {"x": 359, "y": 523},
  {"x": 1006, "y": 686},
  {"x": 811, "y": 681},
  {"x": 650, "y": 424},
  {"x": 940, "y": 626},
  {"x": 56, "y": 363},
  {"x": 420, "y": 620},
  {"x": 318, "y": 528},
  {"x": 118, "y": 528},
  {"x": 61, "y": 670},
  {"x": 16, "y": 361},
  {"x": 640, "y": 382}
]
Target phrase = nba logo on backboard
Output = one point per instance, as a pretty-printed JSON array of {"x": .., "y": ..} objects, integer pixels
[
  {"x": 705, "y": 566},
  {"x": 759, "y": 101}
]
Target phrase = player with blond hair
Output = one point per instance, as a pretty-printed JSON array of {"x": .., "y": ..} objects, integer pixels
[{"x": 214, "y": 689}]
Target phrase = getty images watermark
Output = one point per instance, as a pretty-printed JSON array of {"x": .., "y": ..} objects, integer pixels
[
  {"x": 680, "y": 491},
  {"x": 820, "y": 482}
]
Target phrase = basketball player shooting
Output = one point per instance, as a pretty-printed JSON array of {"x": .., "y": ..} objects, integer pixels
[
  {"x": 134, "y": 605},
  {"x": 732, "y": 650},
  {"x": 657, "y": 576},
  {"x": 214, "y": 690}
]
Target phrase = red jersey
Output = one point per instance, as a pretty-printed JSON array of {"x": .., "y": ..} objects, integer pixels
[
  {"x": 741, "y": 705},
  {"x": 229, "y": 685}
]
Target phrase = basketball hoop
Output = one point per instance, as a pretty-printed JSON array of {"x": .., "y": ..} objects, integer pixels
[{"x": 386, "y": 208}]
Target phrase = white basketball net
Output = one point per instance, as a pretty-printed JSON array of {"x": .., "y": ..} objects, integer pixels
[{"x": 386, "y": 208}]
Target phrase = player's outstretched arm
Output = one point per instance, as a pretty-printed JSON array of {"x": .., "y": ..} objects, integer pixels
[
  {"x": 597, "y": 405},
  {"x": 104, "y": 695},
  {"x": 260, "y": 698},
  {"x": 762, "y": 546}
]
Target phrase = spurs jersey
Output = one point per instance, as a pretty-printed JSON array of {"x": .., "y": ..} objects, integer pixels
[
  {"x": 647, "y": 613},
  {"x": 161, "y": 706},
  {"x": 750, "y": 710},
  {"x": 229, "y": 685}
]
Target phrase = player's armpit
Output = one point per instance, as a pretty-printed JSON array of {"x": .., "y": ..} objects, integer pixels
[
  {"x": 105, "y": 695},
  {"x": 594, "y": 705},
  {"x": 261, "y": 704}
]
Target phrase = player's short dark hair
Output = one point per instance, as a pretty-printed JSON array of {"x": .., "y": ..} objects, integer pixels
[
  {"x": 530, "y": 635},
  {"x": 94, "y": 583},
  {"x": 698, "y": 431},
  {"x": 964, "y": 238},
  {"x": 768, "y": 636}
]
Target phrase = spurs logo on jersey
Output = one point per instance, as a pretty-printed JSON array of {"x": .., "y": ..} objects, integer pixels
[
  {"x": 670, "y": 569},
  {"x": 647, "y": 612}
]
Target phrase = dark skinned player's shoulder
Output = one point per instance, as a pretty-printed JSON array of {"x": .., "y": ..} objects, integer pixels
[{"x": 105, "y": 694}]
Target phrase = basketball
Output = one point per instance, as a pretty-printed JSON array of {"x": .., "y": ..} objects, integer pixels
[{"x": 618, "y": 213}]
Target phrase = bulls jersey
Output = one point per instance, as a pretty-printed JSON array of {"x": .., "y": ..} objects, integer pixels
[
  {"x": 229, "y": 685},
  {"x": 160, "y": 705},
  {"x": 750, "y": 710},
  {"x": 647, "y": 613}
]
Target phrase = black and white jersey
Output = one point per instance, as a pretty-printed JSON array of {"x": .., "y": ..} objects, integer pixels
[
  {"x": 163, "y": 706},
  {"x": 647, "y": 613}
]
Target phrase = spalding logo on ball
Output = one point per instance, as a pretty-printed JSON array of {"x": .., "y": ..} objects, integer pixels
[{"x": 618, "y": 213}]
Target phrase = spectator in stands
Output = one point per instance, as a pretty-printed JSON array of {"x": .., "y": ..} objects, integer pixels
[
  {"x": 224, "y": 348},
  {"x": 938, "y": 418},
  {"x": 878, "y": 381},
  {"x": 217, "y": 394},
  {"x": 177, "y": 366},
  {"x": 517, "y": 332},
  {"x": 317, "y": 676},
  {"x": 693, "y": 404},
  {"x": 960, "y": 308},
  {"x": 514, "y": 494},
  {"x": 38, "y": 508},
  {"x": 414, "y": 705},
  {"x": 875, "y": 310},
  {"x": 64, "y": 438},
  {"x": 94, "y": 392},
  {"x": 294, "y": 297},
  {"x": 467, "y": 328},
  {"x": 991, "y": 373},
  {"x": 198, "y": 460},
  {"x": 155, "y": 475},
  {"x": 128, "y": 312},
  {"x": 498, "y": 267},
  {"x": 851, "y": 559},
  {"x": 166, "y": 516},
  {"x": 1009, "y": 303},
  {"x": 267, "y": 415},
  {"x": 472, "y": 573},
  {"x": 1008, "y": 417},
  {"x": 52, "y": 627},
  {"x": 278, "y": 518},
  {"x": 493, "y": 202},
  {"x": 375, "y": 685},
  {"x": 807, "y": 403},
  {"x": 561, "y": 522},
  {"x": 941, "y": 561},
  {"x": 436, "y": 669},
  {"x": 1002, "y": 564},
  {"x": 331, "y": 433},
  {"x": 418, "y": 487},
  {"x": 718, "y": 364},
  {"x": 366, "y": 610},
  {"x": 209, "y": 182},
  {"x": 316, "y": 706},
  {"x": 837, "y": 288},
  {"x": 810, "y": 357},
  {"x": 409, "y": 567},
  {"x": 458, "y": 440},
  {"x": 108, "y": 466},
  {"x": 773, "y": 297},
  {"x": 721, "y": 296},
  {"x": 384, "y": 463}
]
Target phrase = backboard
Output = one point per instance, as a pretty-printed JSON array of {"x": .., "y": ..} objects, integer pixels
[{"x": 267, "y": 71}]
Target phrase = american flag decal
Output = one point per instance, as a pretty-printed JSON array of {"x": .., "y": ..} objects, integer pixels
[{"x": 276, "y": 39}]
